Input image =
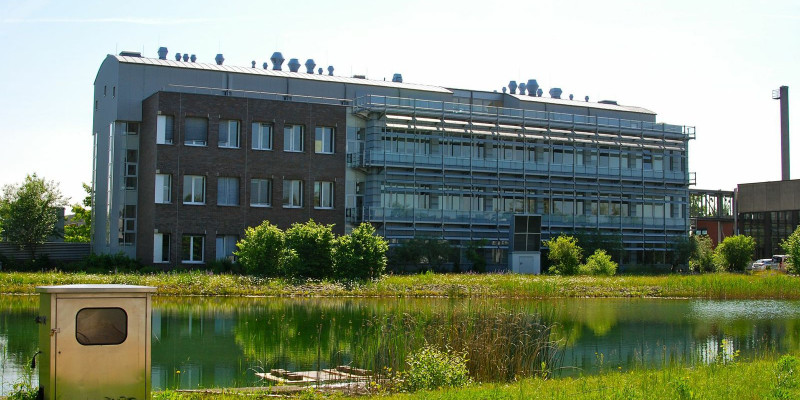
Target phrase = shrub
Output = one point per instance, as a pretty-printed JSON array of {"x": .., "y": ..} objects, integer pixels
[
  {"x": 103, "y": 263},
  {"x": 430, "y": 369},
  {"x": 702, "y": 258},
  {"x": 263, "y": 250},
  {"x": 313, "y": 245},
  {"x": 428, "y": 253},
  {"x": 565, "y": 255},
  {"x": 792, "y": 248},
  {"x": 474, "y": 255},
  {"x": 599, "y": 263},
  {"x": 735, "y": 253},
  {"x": 361, "y": 255},
  {"x": 787, "y": 377}
]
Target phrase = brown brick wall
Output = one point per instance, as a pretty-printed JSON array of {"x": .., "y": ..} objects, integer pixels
[{"x": 243, "y": 163}]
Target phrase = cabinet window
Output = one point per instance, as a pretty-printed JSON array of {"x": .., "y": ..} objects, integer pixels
[
  {"x": 194, "y": 189},
  {"x": 196, "y": 131},
  {"x": 261, "y": 192},
  {"x": 161, "y": 248},
  {"x": 323, "y": 140},
  {"x": 293, "y": 138},
  {"x": 163, "y": 188},
  {"x": 192, "y": 248},
  {"x": 323, "y": 194},
  {"x": 165, "y": 129},
  {"x": 226, "y": 245},
  {"x": 228, "y": 191},
  {"x": 101, "y": 326},
  {"x": 262, "y": 136},
  {"x": 292, "y": 193},
  {"x": 228, "y": 134}
]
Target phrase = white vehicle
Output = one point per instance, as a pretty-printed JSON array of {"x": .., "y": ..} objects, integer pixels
[{"x": 762, "y": 264}]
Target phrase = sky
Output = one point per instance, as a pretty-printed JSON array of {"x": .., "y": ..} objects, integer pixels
[{"x": 708, "y": 64}]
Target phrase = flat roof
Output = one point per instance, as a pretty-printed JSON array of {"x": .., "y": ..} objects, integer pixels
[
  {"x": 578, "y": 103},
  {"x": 273, "y": 73},
  {"x": 95, "y": 288}
]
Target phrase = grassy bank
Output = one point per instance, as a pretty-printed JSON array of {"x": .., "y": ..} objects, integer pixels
[
  {"x": 762, "y": 379},
  {"x": 710, "y": 286}
]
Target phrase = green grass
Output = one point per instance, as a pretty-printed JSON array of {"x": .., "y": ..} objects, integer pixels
[{"x": 710, "y": 286}]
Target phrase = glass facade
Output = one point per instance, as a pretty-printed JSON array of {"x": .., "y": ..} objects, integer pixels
[{"x": 769, "y": 229}]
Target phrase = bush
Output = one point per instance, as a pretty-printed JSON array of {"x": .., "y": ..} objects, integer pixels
[
  {"x": 792, "y": 248},
  {"x": 313, "y": 245},
  {"x": 430, "y": 369},
  {"x": 475, "y": 255},
  {"x": 104, "y": 263},
  {"x": 702, "y": 258},
  {"x": 263, "y": 250},
  {"x": 361, "y": 255},
  {"x": 735, "y": 253},
  {"x": 428, "y": 253},
  {"x": 599, "y": 263},
  {"x": 565, "y": 255}
]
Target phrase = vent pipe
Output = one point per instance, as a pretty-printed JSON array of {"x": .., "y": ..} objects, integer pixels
[
  {"x": 253, "y": 64},
  {"x": 570, "y": 96},
  {"x": 532, "y": 87},
  {"x": 265, "y": 65},
  {"x": 512, "y": 87},
  {"x": 193, "y": 58},
  {"x": 310, "y": 64},
  {"x": 294, "y": 65},
  {"x": 177, "y": 56},
  {"x": 162, "y": 53},
  {"x": 219, "y": 59},
  {"x": 186, "y": 57},
  {"x": 397, "y": 78},
  {"x": 319, "y": 70},
  {"x": 783, "y": 95},
  {"x": 586, "y": 98},
  {"x": 539, "y": 92},
  {"x": 277, "y": 60}
]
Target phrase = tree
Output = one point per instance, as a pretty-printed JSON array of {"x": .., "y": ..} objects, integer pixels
[
  {"x": 28, "y": 212},
  {"x": 79, "y": 228},
  {"x": 599, "y": 263},
  {"x": 592, "y": 240},
  {"x": 475, "y": 256},
  {"x": 792, "y": 248},
  {"x": 361, "y": 255},
  {"x": 313, "y": 244},
  {"x": 735, "y": 253},
  {"x": 565, "y": 255},
  {"x": 263, "y": 250},
  {"x": 426, "y": 252},
  {"x": 702, "y": 258}
]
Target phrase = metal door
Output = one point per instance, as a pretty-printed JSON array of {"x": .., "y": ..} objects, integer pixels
[{"x": 98, "y": 355}]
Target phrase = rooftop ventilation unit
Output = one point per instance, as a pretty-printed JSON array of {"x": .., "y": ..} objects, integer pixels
[
  {"x": 586, "y": 98},
  {"x": 330, "y": 70},
  {"x": 539, "y": 92},
  {"x": 532, "y": 87},
  {"x": 397, "y": 78},
  {"x": 611, "y": 102},
  {"x": 277, "y": 60},
  {"x": 177, "y": 56},
  {"x": 253, "y": 64},
  {"x": 162, "y": 53},
  {"x": 319, "y": 70},
  {"x": 570, "y": 96},
  {"x": 193, "y": 58},
  {"x": 219, "y": 59},
  {"x": 265, "y": 65},
  {"x": 294, "y": 65},
  {"x": 360, "y": 76},
  {"x": 521, "y": 87},
  {"x": 512, "y": 87},
  {"x": 130, "y": 54},
  {"x": 555, "y": 93},
  {"x": 310, "y": 64},
  {"x": 186, "y": 57}
]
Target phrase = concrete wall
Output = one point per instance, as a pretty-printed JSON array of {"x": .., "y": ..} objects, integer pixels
[{"x": 768, "y": 196}]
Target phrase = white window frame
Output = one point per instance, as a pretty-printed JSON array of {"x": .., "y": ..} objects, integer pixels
[
  {"x": 230, "y": 134},
  {"x": 323, "y": 195},
  {"x": 290, "y": 132},
  {"x": 262, "y": 136},
  {"x": 192, "y": 245},
  {"x": 165, "y": 124},
  {"x": 226, "y": 244},
  {"x": 194, "y": 190},
  {"x": 159, "y": 257},
  {"x": 163, "y": 189},
  {"x": 323, "y": 140},
  {"x": 257, "y": 188},
  {"x": 227, "y": 191},
  {"x": 292, "y": 194}
]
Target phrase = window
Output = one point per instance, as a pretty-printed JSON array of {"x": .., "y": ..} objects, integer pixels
[
  {"x": 101, "y": 326},
  {"x": 228, "y": 134},
  {"x": 194, "y": 189},
  {"x": 161, "y": 247},
  {"x": 131, "y": 168},
  {"x": 127, "y": 226},
  {"x": 260, "y": 192},
  {"x": 262, "y": 136},
  {"x": 292, "y": 194},
  {"x": 165, "y": 129},
  {"x": 228, "y": 191},
  {"x": 323, "y": 140},
  {"x": 293, "y": 138},
  {"x": 163, "y": 188},
  {"x": 192, "y": 248},
  {"x": 226, "y": 245},
  {"x": 323, "y": 194},
  {"x": 196, "y": 131}
]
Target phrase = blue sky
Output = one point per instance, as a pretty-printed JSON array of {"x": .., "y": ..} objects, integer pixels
[{"x": 710, "y": 64}]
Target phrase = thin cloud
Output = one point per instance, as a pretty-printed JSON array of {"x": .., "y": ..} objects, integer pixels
[{"x": 120, "y": 20}]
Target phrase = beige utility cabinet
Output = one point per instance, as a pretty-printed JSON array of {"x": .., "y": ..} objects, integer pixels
[{"x": 95, "y": 341}]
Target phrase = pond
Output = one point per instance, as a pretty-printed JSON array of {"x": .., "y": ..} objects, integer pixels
[{"x": 222, "y": 342}]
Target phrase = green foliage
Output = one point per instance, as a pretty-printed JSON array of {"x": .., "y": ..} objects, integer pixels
[
  {"x": 792, "y": 248},
  {"x": 313, "y": 245},
  {"x": 28, "y": 212},
  {"x": 599, "y": 263},
  {"x": 787, "y": 378},
  {"x": 425, "y": 253},
  {"x": 591, "y": 240},
  {"x": 101, "y": 263},
  {"x": 565, "y": 255},
  {"x": 475, "y": 256},
  {"x": 735, "y": 253},
  {"x": 429, "y": 369},
  {"x": 263, "y": 250},
  {"x": 681, "y": 250},
  {"x": 361, "y": 255},
  {"x": 79, "y": 228},
  {"x": 702, "y": 257}
]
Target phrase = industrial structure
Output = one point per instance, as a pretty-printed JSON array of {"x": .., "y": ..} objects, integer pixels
[{"x": 189, "y": 154}]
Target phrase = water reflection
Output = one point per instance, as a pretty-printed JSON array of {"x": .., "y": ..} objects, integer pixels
[{"x": 220, "y": 342}]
